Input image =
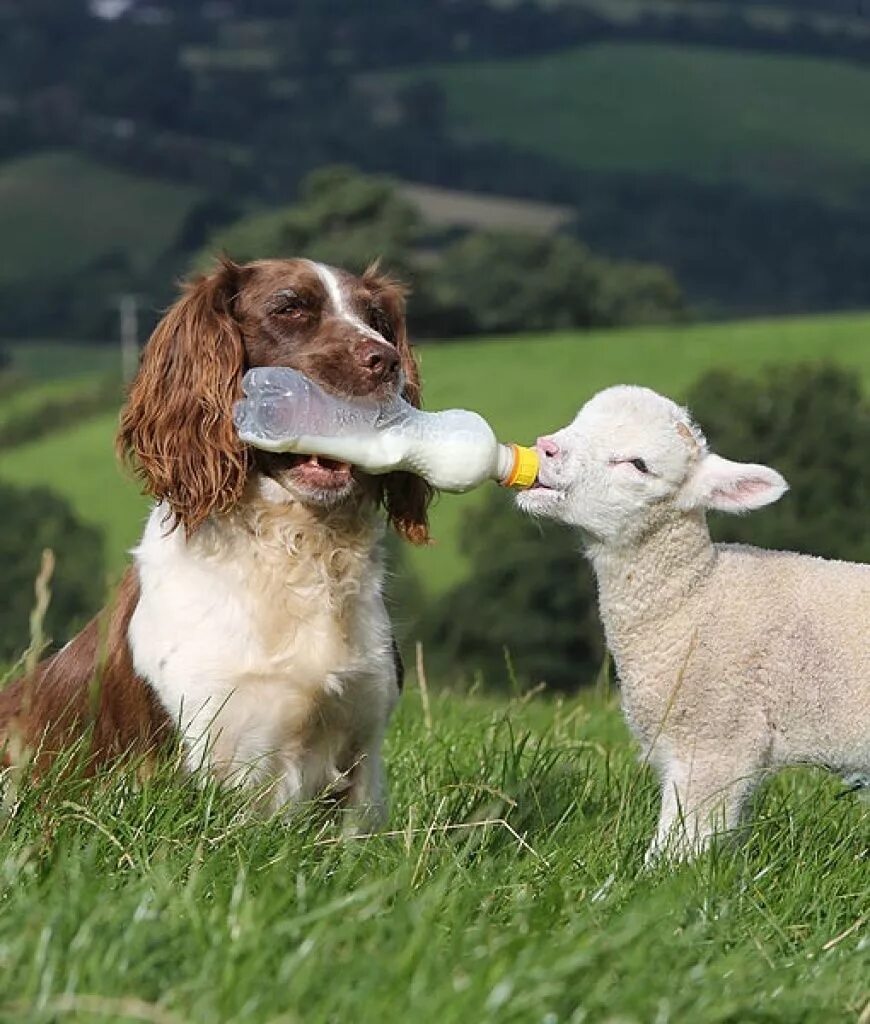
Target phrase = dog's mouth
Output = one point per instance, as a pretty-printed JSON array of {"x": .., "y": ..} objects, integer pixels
[
  {"x": 319, "y": 472},
  {"x": 311, "y": 477}
]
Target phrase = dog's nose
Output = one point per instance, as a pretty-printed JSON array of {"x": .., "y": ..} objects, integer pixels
[
  {"x": 547, "y": 447},
  {"x": 378, "y": 359}
]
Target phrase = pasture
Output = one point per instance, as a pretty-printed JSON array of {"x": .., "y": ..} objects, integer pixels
[
  {"x": 771, "y": 122},
  {"x": 62, "y": 214},
  {"x": 524, "y": 385},
  {"x": 508, "y": 888}
]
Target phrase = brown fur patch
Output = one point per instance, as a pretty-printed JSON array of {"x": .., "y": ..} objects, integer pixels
[{"x": 88, "y": 686}]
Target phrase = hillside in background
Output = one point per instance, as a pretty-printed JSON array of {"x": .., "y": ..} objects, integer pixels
[
  {"x": 769, "y": 123},
  {"x": 724, "y": 140},
  {"x": 69, "y": 214},
  {"x": 81, "y": 231}
]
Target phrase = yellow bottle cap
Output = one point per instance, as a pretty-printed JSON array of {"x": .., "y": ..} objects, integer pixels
[{"x": 524, "y": 471}]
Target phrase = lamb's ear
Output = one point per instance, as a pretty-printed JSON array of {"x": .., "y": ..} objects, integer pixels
[{"x": 731, "y": 486}]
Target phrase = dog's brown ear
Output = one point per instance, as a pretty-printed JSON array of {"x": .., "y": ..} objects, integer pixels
[
  {"x": 176, "y": 428},
  {"x": 406, "y": 497}
]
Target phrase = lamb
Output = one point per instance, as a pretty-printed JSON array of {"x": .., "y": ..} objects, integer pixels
[{"x": 733, "y": 661}]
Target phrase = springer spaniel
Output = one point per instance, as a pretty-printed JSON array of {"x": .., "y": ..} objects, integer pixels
[{"x": 252, "y": 626}]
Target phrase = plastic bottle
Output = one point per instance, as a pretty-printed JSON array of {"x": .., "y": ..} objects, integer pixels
[{"x": 455, "y": 450}]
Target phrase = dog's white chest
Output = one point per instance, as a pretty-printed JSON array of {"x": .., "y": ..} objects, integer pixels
[{"x": 271, "y": 660}]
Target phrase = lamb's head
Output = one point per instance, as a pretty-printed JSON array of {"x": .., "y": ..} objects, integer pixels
[{"x": 632, "y": 460}]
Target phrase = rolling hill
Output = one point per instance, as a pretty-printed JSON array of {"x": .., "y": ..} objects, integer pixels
[
  {"x": 772, "y": 122},
  {"x": 523, "y": 385},
  {"x": 61, "y": 213}
]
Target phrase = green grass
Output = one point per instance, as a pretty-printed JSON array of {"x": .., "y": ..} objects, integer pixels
[
  {"x": 60, "y": 213},
  {"x": 716, "y": 115},
  {"x": 509, "y": 889},
  {"x": 38, "y": 358},
  {"x": 30, "y": 397},
  {"x": 524, "y": 385}
]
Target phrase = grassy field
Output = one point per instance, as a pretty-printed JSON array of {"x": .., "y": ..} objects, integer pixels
[
  {"x": 80, "y": 465},
  {"x": 715, "y": 115},
  {"x": 62, "y": 213},
  {"x": 508, "y": 889},
  {"x": 35, "y": 358},
  {"x": 30, "y": 398},
  {"x": 524, "y": 386}
]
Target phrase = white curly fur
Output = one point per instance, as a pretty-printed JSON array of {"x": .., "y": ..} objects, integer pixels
[
  {"x": 266, "y": 638},
  {"x": 733, "y": 661}
]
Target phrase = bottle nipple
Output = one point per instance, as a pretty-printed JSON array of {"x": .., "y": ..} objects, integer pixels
[{"x": 524, "y": 467}]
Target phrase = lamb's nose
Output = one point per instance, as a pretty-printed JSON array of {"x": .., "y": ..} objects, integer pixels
[{"x": 548, "y": 447}]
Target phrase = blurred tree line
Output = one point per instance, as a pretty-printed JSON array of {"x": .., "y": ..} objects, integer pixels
[
  {"x": 35, "y": 519},
  {"x": 527, "y": 608},
  {"x": 481, "y": 282}
]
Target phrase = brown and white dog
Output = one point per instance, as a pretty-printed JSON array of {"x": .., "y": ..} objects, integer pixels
[{"x": 252, "y": 625}]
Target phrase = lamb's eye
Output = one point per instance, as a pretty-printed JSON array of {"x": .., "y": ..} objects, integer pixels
[{"x": 639, "y": 465}]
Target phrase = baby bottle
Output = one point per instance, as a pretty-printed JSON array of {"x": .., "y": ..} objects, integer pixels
[{"x": 455, "y": 450}]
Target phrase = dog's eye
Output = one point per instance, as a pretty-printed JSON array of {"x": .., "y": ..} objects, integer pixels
[
  {"x": 289, "y": 304},
  {"x": 379, "y": 320},
  {"x": 639, "y": 465}
]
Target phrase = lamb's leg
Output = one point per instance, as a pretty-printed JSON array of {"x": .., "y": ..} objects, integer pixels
[{"x": 700, "y": 798}]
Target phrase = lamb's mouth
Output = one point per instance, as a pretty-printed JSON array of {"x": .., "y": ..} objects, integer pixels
[
  {"x": 538, "y": 487},
  {"x": 541, "y": 488},
  {"x": 538, "y": 496}
]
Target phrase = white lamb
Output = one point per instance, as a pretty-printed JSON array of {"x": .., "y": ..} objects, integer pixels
[{"x": 733, "y": 660}]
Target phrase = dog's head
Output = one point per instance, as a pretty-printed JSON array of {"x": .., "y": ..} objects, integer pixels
[
  {"x": 347, "y": 333},
  {"x": 632, "y": 459}
]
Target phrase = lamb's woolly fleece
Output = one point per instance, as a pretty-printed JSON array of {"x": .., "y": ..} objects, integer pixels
[{"x": 733, "y": 660}]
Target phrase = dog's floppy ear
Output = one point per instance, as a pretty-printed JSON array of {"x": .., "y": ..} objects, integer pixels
[
  {"x": 405, "y": 496},
  {"x": 177, "y": 427}
]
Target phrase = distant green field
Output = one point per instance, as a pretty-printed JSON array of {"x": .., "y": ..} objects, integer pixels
[
  {"x": 39, "y": 359},
  {"x": 715, "y": 115},
  {"x": 61, "y": 213},
  {"x": 30, "y": 397},
  {"x": 80, "y": 464},
  {"x": 523, "y": 385}
]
